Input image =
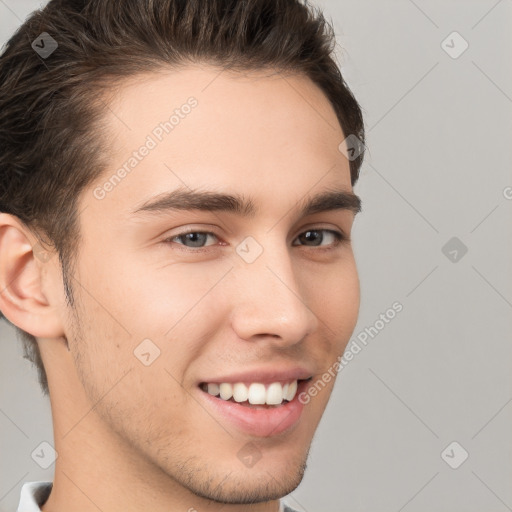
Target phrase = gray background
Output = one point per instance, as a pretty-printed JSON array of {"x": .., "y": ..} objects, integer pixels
[{"x": 439, "y": 160}]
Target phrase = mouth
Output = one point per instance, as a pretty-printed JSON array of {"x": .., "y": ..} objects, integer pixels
[
  {"x": 256, "y": 408},
  {"x": 255, "y": 394}
]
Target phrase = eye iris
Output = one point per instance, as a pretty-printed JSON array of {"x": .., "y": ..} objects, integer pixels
[
  {"x": 307, "y": 236},
  {"x": 193, "y": 237}
]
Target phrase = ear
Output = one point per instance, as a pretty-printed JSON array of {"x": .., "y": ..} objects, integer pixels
[{"x": 28, "y": 273}]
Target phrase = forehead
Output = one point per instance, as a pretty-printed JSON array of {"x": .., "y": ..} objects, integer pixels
[{"x": 260, "y": 133}]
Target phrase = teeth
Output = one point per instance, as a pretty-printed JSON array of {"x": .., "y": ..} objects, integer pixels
[
  {"x": 240, "y": 392},
  {"x": 226, "y": 391},
  {"x": 275, "y": 393},
  {"x": 292, "y": 390},
  {"x": 256, "y": 393},
  {"x": 213, "y": 389}
]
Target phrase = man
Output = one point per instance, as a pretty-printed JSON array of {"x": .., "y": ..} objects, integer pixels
[{"x": 176, "y": 198}]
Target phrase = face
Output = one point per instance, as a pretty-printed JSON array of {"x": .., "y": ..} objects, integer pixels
[{"x": 178, "y": 302}]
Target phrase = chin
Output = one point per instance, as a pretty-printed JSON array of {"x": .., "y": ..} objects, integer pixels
[
  {"x": 270, "y": 478},
  {"x": 253, "y": 485}
]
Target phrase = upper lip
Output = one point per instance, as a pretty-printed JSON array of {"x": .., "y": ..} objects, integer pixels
[{"x": 264, "y": 375}]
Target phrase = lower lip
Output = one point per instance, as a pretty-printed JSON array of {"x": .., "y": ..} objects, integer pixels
[{"x": 259, "y": 422}]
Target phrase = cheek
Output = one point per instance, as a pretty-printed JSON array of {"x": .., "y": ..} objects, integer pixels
[
  {"x": 127, "y": 377},
  {"x": 337, "y": 303},
  {"x": 348, "y": 299},
  {"x": 162, "y": 299},
  {"x": 170, "y": 313},
  {"x": 129, "y": 303}
]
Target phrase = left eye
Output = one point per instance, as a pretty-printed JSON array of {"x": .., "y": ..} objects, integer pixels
[
  {"x": 317, "y": 237},
  {"x": 197, "y": 239}
]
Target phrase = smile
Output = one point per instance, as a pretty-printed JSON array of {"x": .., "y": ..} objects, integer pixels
[
  {"x": 255, "y": 393},
  {"x": 255, "y": 408}
]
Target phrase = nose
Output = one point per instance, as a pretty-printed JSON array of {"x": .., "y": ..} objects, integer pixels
[{"x": 269, "y": 302}]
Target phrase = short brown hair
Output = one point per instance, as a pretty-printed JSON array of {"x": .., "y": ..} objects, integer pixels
[{"x": 51, "y": 106}]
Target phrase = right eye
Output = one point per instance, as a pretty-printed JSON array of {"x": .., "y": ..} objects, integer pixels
[{"x": 196, "y": 238}]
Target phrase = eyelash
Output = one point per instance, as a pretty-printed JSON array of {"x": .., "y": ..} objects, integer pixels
[{"x": 340, "y": 238}]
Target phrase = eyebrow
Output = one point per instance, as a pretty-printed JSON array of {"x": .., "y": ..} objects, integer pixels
[{"x": 182, "y": 199}]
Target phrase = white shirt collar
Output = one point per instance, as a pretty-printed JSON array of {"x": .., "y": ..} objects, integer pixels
[{"x": 33, "y": 495}]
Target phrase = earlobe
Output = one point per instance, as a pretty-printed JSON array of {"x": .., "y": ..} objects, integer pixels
[{"x": 23, "y": 265}]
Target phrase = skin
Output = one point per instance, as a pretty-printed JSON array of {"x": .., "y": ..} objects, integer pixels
[{"x": 131, "y": 437}]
